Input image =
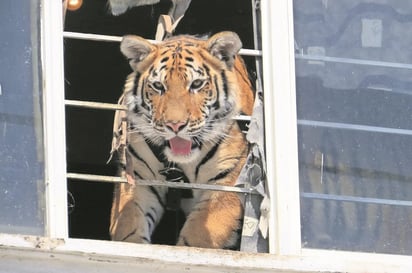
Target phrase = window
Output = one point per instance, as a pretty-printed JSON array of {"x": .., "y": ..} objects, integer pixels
[
  {"x": 353, "y": 77},
  {"x": 21, "y": 138},
  {"x": 319, "y": 129}
]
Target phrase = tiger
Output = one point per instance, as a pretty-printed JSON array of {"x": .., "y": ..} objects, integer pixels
[{"x": 181, "y": 99}]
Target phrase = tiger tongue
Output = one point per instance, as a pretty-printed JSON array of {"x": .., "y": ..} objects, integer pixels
[{"x": 180, "y": 146}]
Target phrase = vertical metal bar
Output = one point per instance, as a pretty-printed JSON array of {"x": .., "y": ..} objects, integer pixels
[
  {"x": 257, "y": 39},
  {"x": 281, "y": 125},
  {"x": 54, "y": 119}
]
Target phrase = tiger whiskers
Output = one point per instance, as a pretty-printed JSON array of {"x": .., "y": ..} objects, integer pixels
[{"x": 196, "y": 140}]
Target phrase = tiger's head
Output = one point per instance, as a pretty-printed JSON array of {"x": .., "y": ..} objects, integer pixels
[{"x": 183, "y": 92}]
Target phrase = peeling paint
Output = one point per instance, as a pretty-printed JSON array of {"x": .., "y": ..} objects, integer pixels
[{"x": 44, "y": 243}]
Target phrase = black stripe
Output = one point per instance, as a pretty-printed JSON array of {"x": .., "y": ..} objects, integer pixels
[
  {"x": 156, "y": 150},
  {"x": 238, "y": 232},
  {"x": 207, "y": 69},
  {"x": 216, "y": 105},
  {"x": 151, "y": 217},
  {"x": 165, "y": 59},
  {"x": 198, "y": 71},
  {"x": 151, "y": 69},
  {"x": 224, "y": 173},
  {"x": 136, "y": 109},
  {"x": 221, "y": 175},
  {"x": 189, "y": 59},
  {"x": 190, "y": 66},
  {"x": 225, "y": 86},
  {"x": 136, "y": 174},
  {"x": 129, "y": 235},
  {"x": 136, "y": 156},
  {"x": 197, "y": 141},
  {"x": 145, "y": 239},
  {"x": 185, "y": 242},
  {"x": 154, "y": 191},
  {"x": 208, "y": 156}
]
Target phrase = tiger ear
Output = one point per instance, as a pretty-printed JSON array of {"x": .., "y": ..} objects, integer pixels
[
  {"x": 136, "y": 49},
  {"x": 224, "y": 46}
]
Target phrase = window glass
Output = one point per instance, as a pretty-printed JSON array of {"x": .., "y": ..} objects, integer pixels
[
  {"x": 353, "y": 78},
  {"x": 21, "y": 144}
]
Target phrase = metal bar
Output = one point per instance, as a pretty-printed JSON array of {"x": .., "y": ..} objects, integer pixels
[
  {"x": 95, "y": 105},
  {"x": 107, "y": 38},
  {"x": 355, "y": 127},
  {"x": 355, "y": 199},
  {"x": 179, "y": 185},
  {"x": 242, "y": 117},
  {"x": 91, "y": 37},
  {"x": 353, "y": 61},
  {"x": 250, "y": 52}
]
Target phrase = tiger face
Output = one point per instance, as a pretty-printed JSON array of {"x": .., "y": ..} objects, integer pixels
[{"x": 183, "y": 91}]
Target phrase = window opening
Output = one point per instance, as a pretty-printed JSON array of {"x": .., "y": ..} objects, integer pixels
[{"x": 81, "y": 104}]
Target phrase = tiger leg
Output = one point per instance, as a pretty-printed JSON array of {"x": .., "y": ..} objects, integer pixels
[
  {"x": 214, "y": 222},
  {"x": 136, "y": 211}
]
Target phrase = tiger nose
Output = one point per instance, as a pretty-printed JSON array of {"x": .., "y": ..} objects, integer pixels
[{"x": 176, "y": 126}]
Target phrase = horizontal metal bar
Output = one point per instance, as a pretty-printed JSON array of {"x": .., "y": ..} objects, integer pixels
[
  {"x": 95, "y": 105},
  {"x": 113, "y": 106},
  {"x": 96, "y": 178},
  {"x": 353, "y": 61},
  {"x": 355, "y": 127},
  {"x": 250, "y": 52},
  {"x": 242, "y": 118},
  {"x": 91, "y": 37},
  {"x": 107, "y": 38},
  {"x": 355, "y": 199},
  {"x": 179, "y": 185}
]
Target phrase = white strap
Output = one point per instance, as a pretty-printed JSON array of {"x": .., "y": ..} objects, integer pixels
[{"x": 168, "y": 23}]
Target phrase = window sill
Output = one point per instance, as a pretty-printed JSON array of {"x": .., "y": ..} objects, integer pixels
[
  {"x": 33, "y": 254},
  {"x": 36, "y": 260}
]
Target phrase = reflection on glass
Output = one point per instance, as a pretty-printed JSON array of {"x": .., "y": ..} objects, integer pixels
[
  {"x": 21, "y": 144},
  {"x": 354, "y": 99}
]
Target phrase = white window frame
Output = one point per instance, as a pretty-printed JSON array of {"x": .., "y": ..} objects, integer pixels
[
  {"x": 286, "y": 253},
  {"x": 54, "y": 119}
]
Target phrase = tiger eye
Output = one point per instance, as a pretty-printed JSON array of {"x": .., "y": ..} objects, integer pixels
[
  {"x": 196, "y": 84},
  {"x": 158, "y": 86}
]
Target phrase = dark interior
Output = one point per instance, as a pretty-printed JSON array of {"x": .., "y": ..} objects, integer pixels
[{"x": 95, "y": 71}]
